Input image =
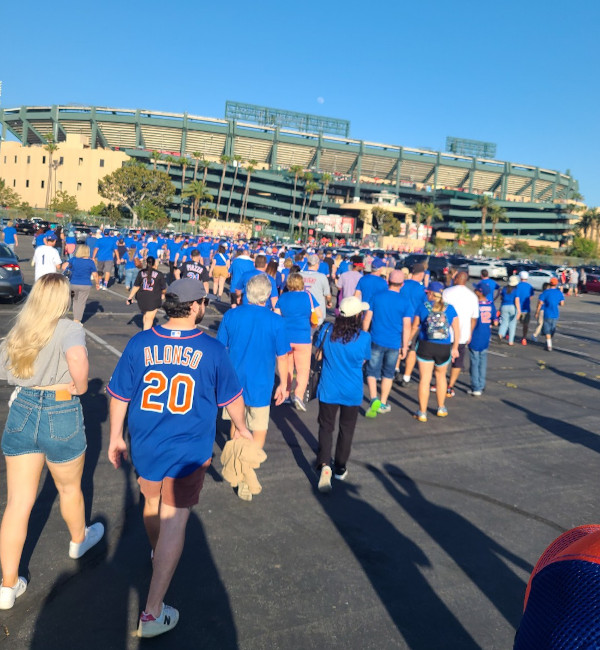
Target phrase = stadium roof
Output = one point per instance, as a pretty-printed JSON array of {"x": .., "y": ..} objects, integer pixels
[{"x": 276, "y": 148}]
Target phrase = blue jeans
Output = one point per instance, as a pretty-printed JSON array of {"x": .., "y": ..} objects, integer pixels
[
  {"x": 478, "y": 369},
  {"x": 508, "y": 322},
  {"x": 130, "y": 276}
]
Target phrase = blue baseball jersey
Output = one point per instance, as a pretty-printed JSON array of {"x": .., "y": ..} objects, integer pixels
[{"x": 174, "y": 381}]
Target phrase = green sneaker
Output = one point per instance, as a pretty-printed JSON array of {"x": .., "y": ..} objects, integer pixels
[{"x": 373, "y": 408}]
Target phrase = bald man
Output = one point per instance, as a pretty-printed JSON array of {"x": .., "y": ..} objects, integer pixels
[{"x": 466, "y": 305}]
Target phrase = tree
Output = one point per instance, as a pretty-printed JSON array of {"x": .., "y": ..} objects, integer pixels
[
  {"x": 431, "y": 213},
  {"x": 296, "y": 170},
  {"x": 155, "y": 157},
  {"x": 483, "y": 203},
  {"x": 497, "y": 214},
  {"x": 8, "y": 197},
  {"x": 185, "y": 163},
  {"x": 325, "y": 179},
  {"x": 205, "y": 164},
  {"x": 249, "y": 171},
  {"x": 196, "y": 155},
  {"x": 587, "y": 222},
  {"x": 50, "y": 147},
  {"x": 522, "y": 247},
  {"x": 462, "y": 232},
  {"x": 310, "y": 188},
  {"x": 419, "y": 211},
  {"x": 237, "y": 160},
  {"x": 133, "y": 184},
  {"x": 387, "y": 223},
  {"x": 197, "y": 191},
  {"x": 170, "y": 160},
  {"x": 63, "y": 202},
  {"x": 224, "y": 160},
  {"x": 583, "y": 248},
  {"x": 150, "y": 212},
  {"x": 307, "y": 177}
]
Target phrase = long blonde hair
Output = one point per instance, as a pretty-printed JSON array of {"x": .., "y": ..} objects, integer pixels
[
  {"x": 437, "y": 299},
  {"x": 48, "y": 301}
]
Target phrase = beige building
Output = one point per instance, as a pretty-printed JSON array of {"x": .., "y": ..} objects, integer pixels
[{"x": 76, "y": 169}]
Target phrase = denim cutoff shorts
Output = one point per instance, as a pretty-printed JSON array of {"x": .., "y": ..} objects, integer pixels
[
  {"x": 382, "y": 362},
  {"x": 38, "y": 424}
]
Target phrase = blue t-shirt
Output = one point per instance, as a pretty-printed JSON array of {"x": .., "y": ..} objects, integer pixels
[
  {"x": 174, "y": 381},
  {"x": 152, "y": 248},
  {"x": 343, "y": 267},
  {"x": 239, "y": 266},
  {"x": 296, "y": 307},
  {"x": 389, "y": 308},
  {"x": 81, "y": 270},
  {"x": 129, "y": 263},
  {"x": 221, "y": 259},
  {"x": 415, "y": 293},
  {"x": 254, "y": 337},
  {"x": 371, "y": 285},
  {"x": 480, "y": 339},
  {"x": 507, "y": 298},
  {"x": 39, "y": 239},
  {"x": 488, "y": 287},
  {"x": 106, "y": 248},
  {"x": 173, "y": 248},
  {"x": 243, "y": 281},
  {"x": 524, "y": 292},
  {"x": 9, "y": 234},
  {"x": 423, "y": 314},
  {"x": 204, "y": 248},
  {"x": 343, "y": 360},
  {"x": 551, "y": 299}
]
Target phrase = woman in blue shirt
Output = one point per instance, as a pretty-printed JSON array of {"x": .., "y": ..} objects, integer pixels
[
  {"x": 436, "y": 324},
  {"x": 345, "y": 349},
  {"x": 510, "y": 310},
  {"x": 219, "y": 271},
  {"x": 296, "y": 306},
  {"x": 83, "y": 273}
]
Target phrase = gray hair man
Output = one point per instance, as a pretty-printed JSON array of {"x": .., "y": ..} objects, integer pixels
[{"x": 317, "y": 285}]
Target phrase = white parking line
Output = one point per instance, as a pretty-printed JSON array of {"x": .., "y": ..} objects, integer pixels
[{"x": 103, "y": 343}]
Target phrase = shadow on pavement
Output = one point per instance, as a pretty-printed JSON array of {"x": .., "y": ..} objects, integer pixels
[
  {"x": 587, "y": 381},
  {"x": 390, "y": 560},
  {"x": 92, "y": 307},
  {"x": 479, "y": 556}
]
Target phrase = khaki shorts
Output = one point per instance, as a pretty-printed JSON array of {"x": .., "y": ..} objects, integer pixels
[
  {"x": 176, "y": 492},
  {"x": 257, "y": 417},
  {"x": 220, "y": 272}
]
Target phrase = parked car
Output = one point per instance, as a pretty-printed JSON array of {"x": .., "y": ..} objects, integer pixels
[
  {"x": 24, "y": 227},
  {"x": 11, "y": 278},
  {"x": 496, "y": 270},
  {"x": 82, "y": 233},
  {"x": 438, "y": 266},
  {"x": 539, "y": 277},
  {"x": 592, "y": 284}
]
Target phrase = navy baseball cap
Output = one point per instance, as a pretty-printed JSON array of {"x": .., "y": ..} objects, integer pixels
[
  {"x": 377, "y": 263},
  {"x": 187, "y": 289},
  {"x": 436, "y": 287}
]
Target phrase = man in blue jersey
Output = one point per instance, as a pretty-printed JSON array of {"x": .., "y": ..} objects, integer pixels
[
  {"x": 103, "y": 255},
  {"x": 370, "y": 285},
  {"x": 524, "y": 292},
  {"x": 174, "y": 378},
  {"x": 480, "y": 342},
  {"x": 489, "y": 286},
  {"x": 260, "y": 267},
  {"x": 10, "y": 236},
  {"x": 241, "y": 264},
  {"x": 550, "y": 300},
  {"x": 413, "y": 290}
]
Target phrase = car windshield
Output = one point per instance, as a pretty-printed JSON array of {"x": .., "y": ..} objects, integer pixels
[{"x": 5, "y": 251}]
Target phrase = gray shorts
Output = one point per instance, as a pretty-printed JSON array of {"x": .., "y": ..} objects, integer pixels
[{"x": 105, "y": 266}]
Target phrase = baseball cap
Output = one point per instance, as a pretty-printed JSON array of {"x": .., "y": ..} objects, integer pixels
[
  {"x": 418, "y": 268},
  {"x": 313, "y": 259},
  {"x": 51, "y": 236},
  {"x": 396, "y": 277},
  {"x": 513, "y": 281},
  {"x": 553, "y": 281},
  {"x": 377, "y": 263},
  {"x": 523, "y": 275},
  {"x": 187, "y": 289},
  {"x": 357, "y": 260},
  {"x": 436, "y": 287},
  {"x": 351, "y": 306}
]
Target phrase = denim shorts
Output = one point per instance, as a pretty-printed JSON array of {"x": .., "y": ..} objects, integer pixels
[
  {"x": 549, "y": 326},
  {"x": 38, "y": 424},
  {"x": 382, "y": 362}
]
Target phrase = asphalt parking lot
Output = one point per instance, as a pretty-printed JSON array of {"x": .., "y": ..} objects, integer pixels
[{"x": 427, "y": 545}]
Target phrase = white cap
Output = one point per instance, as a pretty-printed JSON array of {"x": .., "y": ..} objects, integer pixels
[
  {"x": 351, "y": 306},
  {"x": 523, "y": 275}
]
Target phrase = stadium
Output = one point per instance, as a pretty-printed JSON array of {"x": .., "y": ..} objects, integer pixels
[{"x": 258, "y": 157}]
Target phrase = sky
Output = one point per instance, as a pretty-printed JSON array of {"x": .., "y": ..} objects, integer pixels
[{"x": 522, "y": 74}]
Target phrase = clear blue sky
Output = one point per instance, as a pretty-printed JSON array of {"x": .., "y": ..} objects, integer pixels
[{"x": 521, "y": 74}]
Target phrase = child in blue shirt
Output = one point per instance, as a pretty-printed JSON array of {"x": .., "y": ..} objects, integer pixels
[{"x": 480, "y": 342}]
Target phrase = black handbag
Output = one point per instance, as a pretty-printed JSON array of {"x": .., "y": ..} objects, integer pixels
[{"x": 316, "y": 364}]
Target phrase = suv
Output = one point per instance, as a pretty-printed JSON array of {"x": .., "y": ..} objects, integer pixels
[{"x": 438, "y": 266}]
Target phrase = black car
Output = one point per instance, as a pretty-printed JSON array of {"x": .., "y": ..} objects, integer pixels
[
  {"x": 25, "y": 227},
  {"x": 439, "y": 267}
]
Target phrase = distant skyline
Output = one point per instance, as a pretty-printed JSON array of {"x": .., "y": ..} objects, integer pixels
[{"x": 519, "y": 74}]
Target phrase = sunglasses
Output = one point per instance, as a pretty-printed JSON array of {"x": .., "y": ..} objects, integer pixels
[{"x": 203, "y": 301}]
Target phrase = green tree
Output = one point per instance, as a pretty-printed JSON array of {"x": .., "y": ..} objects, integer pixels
[
  {"x": 149, "y": 212},
  {"x": 310, "y": 188},
  {"x": 237, "y": 162},
  {"x": 155, "y": 157},
  {"x": 497, "y": 214},
  {"x": 307, "y": 177},
  {"x": 462, "y": 232},
  {"x": 224, "y": 160},
  {"x": 387, "y": 223},
  {"x": 170, "y": 160},
  {"x": 197, "y": 191},
  {"x": 431, "y": 213},
  {"x": 522, "y": 247},
  {"x": 296, "y": 170},
  {"x": 205, "y": 164},
  {"x": 8, "y": 197},
  {"x": 587, "y": 223},
  {"x": 196, "y": 155},
  {"x": 184, "y": 163},
  {"x": 250, "y": 169},
  {"x": 133, "y": 184},
  {"x": 63, "y": 202},
  {"x": 582, "y": 247},
  {"x": 484, "y": 203},
  {"x": 51, "y": 147},
  {"x": 325, "y": 180}
]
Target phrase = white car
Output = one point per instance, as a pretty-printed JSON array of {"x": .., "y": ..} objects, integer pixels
[
  {"x": 538, "y": 278},
  {"x": 495, "y": 269}
]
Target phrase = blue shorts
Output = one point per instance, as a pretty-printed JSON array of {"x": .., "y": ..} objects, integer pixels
[
  {"x": 382, "y": 362},
  {"x": 38, "y": 424},
  {"x": 549, "y": 326}
]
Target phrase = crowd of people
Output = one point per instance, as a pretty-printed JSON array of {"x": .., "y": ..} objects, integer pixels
[{"x": 360, "y": 318}]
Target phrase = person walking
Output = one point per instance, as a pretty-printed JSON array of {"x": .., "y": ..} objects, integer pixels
[
  {"x": 297, "y": 307},
  {"x": 45, "y": 257},
  {"x": 550, "y": 301},
  {"x": 194, "y": 268},
  {"x": 83, "y": 274},
  {"x": 346, "y": 347},
  {"x": 148, "y": 289},
  {"x": 104, "y": 255},
  {"x": 173, "y": 379},
  {"x": 509, "y": 310},
  {"x": 524, "y": 292},
  {"x": 373, "y": 283},
  {"x": 317, "y": 285},
  {"x": 413, "y": 290},
  {"x": 480, "y": 342},
  {"x": 44, "y": 356},
  {"x": 240, "y": 265},
  {"x": 438, "y": 328},
  {"x": 219, "y": 271},
  {"x": 9, "y": 236},
  {"x": 260, "y": 268}
]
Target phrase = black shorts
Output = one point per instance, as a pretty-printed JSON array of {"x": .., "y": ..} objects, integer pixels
[
  {"x": 439, "y": 353},
  {"x": 459, "y": 362}
]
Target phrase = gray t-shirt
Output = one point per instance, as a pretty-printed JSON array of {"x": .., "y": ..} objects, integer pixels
[
  {"x": 51, "y": 365},
  {"x": 318, "y": 285}
]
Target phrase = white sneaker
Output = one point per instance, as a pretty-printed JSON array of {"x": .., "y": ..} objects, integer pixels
[
  {"x": 150, "y": 626},
  {"x": 8, "y": 595},
  {"x": 93, "y": 535},
  {"x": 325, "y": 479},
  {"x": 474, "y": 393}
]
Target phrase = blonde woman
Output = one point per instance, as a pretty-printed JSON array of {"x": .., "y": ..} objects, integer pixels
[
  {"x": 83, "y": 273},
  {"x": 45, "y": 357},
  {"x": 436, "y": 322},
  {"x": 219, "y": 271}
]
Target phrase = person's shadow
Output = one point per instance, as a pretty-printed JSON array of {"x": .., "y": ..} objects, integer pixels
[
  {"x": 92, "y": 307},
  {"x": 481, "y": 558}
]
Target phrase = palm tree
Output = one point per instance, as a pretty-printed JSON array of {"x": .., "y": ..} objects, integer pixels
[
  {"x": 50, "y": 147},
  {"x": 224, "y": 160},
  {"x": 325, "y": 179},
  {"x": 419, "y": 211},
  {"x": 205, "y": 164},
  {"x": 587, "y": 222},
  {"x": 497, "y": 214},
  {"x": 197, "y": 191},
  {"x": 155, "y": 157},
  {"x": 310, "y": 188},
  {"x": 431, "y": 213},
  {"x": 170, "y": 160},
  {"x": 238, "y": 161},
  {"x": 307, "y": 178},
  {"x": 249, "y": 171},
  {"x": 483, "y": 203},
  {"x": 296, "y": 170},
  {"x": 197, "y": 156},
  {"x": 185, "y": 163}
]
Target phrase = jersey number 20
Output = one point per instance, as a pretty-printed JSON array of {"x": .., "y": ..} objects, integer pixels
[{"x": 180, "y": 391}]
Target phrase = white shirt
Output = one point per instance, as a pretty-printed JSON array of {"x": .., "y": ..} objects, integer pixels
[
  {"x": 467, "y": 307},
  {"x": 45, "y": 260}
]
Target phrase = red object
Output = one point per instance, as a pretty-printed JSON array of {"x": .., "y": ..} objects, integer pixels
[{"x": 11, "y": 267}]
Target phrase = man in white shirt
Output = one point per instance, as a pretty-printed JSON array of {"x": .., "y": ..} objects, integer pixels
[
  {"x": 317, "y": 285},
  {"x": 46, "y": 258},
  {"x": 466, "y": 305}
]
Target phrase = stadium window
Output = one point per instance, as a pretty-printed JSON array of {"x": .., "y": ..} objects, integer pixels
[
  {"x": 26, "y": 183},
  {"x": 28, "y": 160},
  {"x": 78, "y": 186},
  {"x": 101, "y": 162},
  {"x": 61, "y": 161},
  {"x": 15, "y": 159},
  {"x": 42, "y": 184},
  {"x": 60, "y": 185},
  {"x": 43, "y": 160},
  {"x": 14, "y": 183},
  {"x": 80, "y": 162}
]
